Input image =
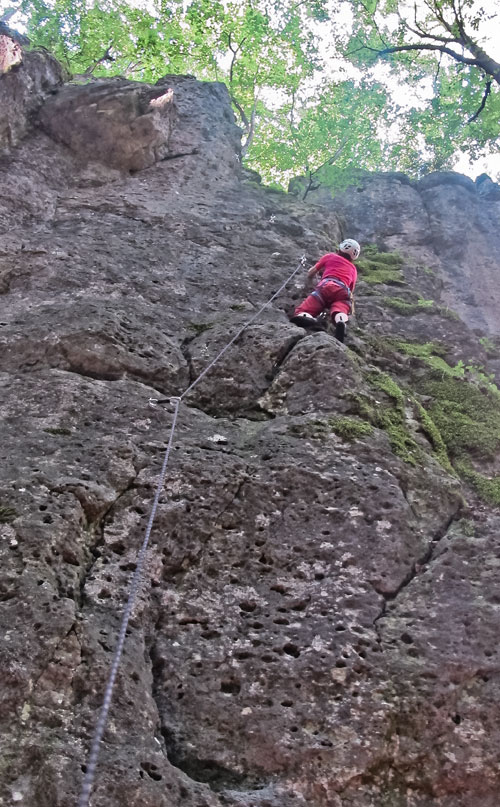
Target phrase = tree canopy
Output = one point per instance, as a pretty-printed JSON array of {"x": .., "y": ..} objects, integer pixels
[
  {"x": 443, "y": 43},
  {"x": 316, "y": 86}
]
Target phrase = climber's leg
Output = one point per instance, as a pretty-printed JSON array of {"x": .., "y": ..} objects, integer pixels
[
  {"x": 339, "y": 312},
  {"x": 340, "y": 321},
  {"x": 305, "y": 313}
]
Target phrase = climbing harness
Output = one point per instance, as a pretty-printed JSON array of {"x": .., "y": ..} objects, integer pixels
[
  {"x": 317, "y": 292},
  {"x": 88, "y": 781}
]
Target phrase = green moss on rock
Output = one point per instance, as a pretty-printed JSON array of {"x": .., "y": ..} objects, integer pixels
[
  {"x": 200, "y": 327},
  {"x": 391, "y": 418},
  {"x": 421, "y": 350},
  {"x": 380, "y": 267},
  {"x": 491, "y": 347},
  {"x": 407, "y": 308},
  {"x": 348, "y": 428},
  {"x": 467, "y": 416},
  {"x": 487, "y": 487},
  {"x": 314, "y": 429},
  {"x": 431, "y": 353},
  {"x": 384, "y": 382},
  {"x": 7, "y": 514},
  {"x": 363, "y": 406},
  {"x": 434, "y": 435},
  {"x": 448, "y": 313}
]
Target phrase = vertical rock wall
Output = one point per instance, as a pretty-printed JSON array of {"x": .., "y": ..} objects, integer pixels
[
  {"x": 318, "y": 619},
  {"x": 446, "y": 221}
]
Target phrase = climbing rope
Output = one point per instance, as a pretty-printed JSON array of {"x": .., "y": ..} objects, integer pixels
[{"x": 88, "y": 781}]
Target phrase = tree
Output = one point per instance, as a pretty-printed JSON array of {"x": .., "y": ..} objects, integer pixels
[
  {"x": 330, "y": 139},
  {"x": 297, "y": 115},
  {"x": 262, "y": 53},
  {"x": 443, "y": 42},
  {"x": 256, "y": 48},
  {"x": 447, "y": 27}
]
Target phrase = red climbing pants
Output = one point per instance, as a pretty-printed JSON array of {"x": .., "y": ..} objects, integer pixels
[{"x": 329, "y": 295}]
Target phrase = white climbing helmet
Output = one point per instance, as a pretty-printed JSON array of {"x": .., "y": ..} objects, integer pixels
[{"x": 351, "y": 247}]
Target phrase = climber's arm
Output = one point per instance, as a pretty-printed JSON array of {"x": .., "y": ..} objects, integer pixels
[{"x": 316, "y": 269}]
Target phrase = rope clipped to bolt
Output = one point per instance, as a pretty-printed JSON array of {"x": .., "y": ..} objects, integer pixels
[{"x": 88, "y": 781}]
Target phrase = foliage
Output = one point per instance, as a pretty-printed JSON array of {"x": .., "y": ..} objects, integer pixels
[
  {"x": 304, "y": 109},
  {"x": 438, "y": 48},
  {"x": 254, "y": 48},
  {"x": 330, "y": 142}
]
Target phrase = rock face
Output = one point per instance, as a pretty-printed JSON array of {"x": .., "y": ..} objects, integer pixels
[
  {"x": 445, "y": 220},
  {"x": 317, "y": 622},
  {"x": 25, "y": 81}
]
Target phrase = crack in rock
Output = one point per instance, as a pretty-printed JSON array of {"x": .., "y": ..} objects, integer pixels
[
  {"x": 416, "y": 568},
  {"x": 95, "y": 529}
]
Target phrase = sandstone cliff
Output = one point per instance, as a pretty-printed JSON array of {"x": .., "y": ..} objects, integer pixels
[{"x": 318, "y": 621}]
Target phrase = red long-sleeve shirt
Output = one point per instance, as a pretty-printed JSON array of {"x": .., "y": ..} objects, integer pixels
[{"x": 334, "y": 265}]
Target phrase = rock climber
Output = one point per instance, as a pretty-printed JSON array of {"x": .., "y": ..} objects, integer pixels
[{"x": 334, "y": 290}]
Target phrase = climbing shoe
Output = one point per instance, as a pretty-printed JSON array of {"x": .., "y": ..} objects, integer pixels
[
  {"x": 305, "y": 321},
  {"x": 340, "y": 331}
]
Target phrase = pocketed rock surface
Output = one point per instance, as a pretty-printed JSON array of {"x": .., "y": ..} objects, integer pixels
[{"x": 318, "y": 619}]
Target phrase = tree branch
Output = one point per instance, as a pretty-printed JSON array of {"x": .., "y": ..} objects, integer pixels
[
  {"x": 475, "y": 62},
  {"x": 482, "y": 60},
  {"x": 373, "y": 21},
  {"x": 457, "y": 10},
  {"x": 439, "y": 43},
  {"x": 234, "y": 51},
  {"x": 106, "y": 57},
  {"x": 487, "y": 91},
  {"x": 129, "y": 69},
  {"x": 292, "y": 114},
  {"x": 251, "y": 130},
  {"x": 328, "y": 161},
  {"x": 19, "y": 38},
  {"x": 244, "y": 119},
  {"x": 423, "y": 34},
  {"x": 5, "y": 17}
]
